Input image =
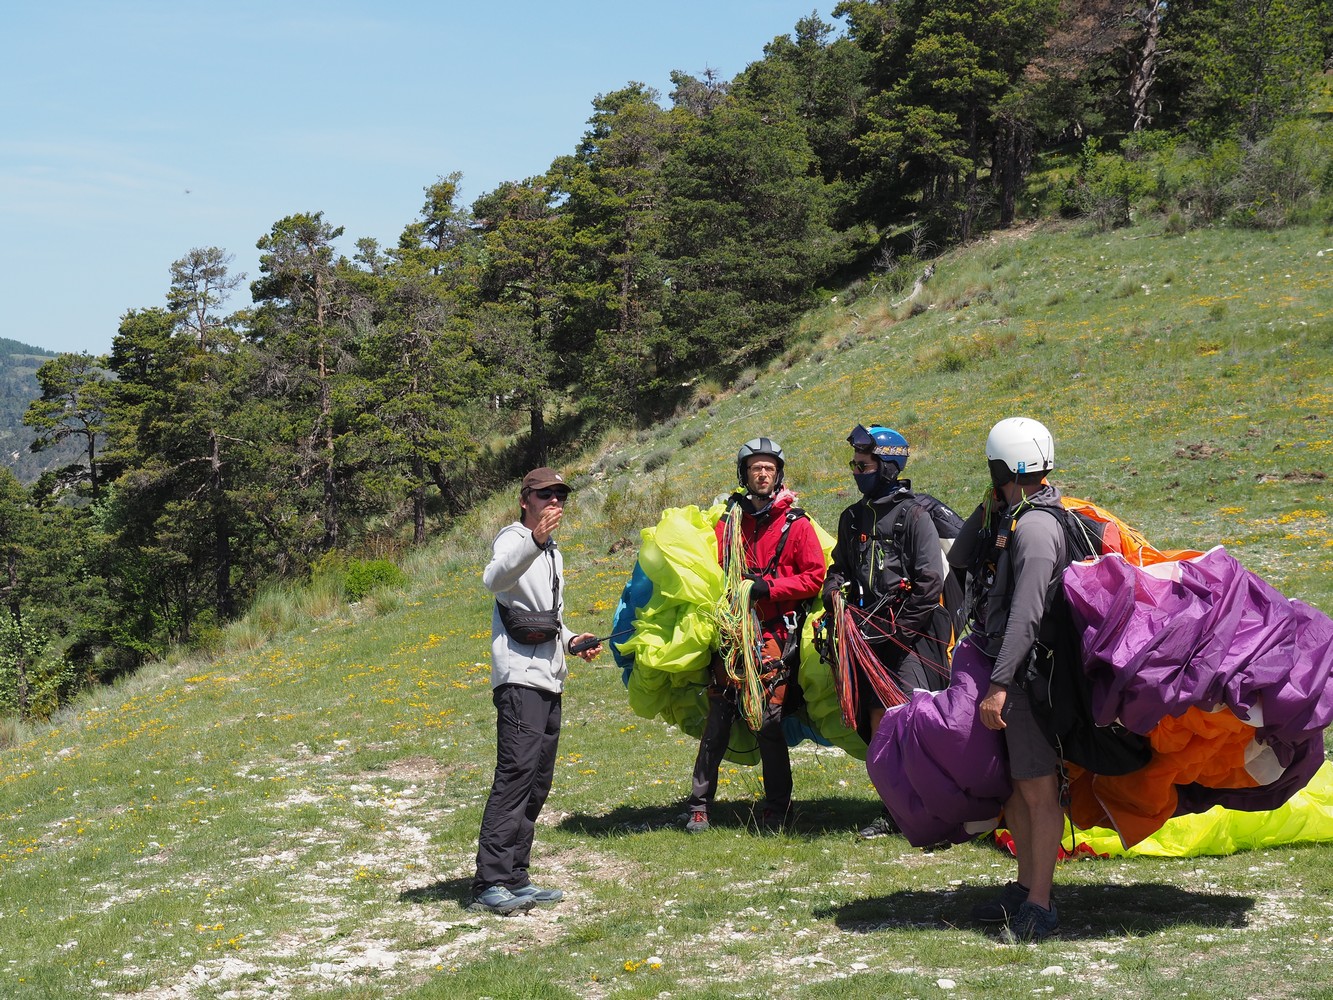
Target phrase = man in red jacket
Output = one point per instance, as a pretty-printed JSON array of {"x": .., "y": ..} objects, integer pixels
[{"x": 785, "y": 565}]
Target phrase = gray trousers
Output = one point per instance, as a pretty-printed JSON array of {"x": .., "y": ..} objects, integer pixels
[{"x": 527, "y": 734}]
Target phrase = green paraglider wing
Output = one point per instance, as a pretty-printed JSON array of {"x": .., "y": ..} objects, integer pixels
[{"x": 675, "y": 633}]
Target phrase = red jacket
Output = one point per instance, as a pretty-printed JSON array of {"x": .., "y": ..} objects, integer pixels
[{"x": 798, "y": 574}]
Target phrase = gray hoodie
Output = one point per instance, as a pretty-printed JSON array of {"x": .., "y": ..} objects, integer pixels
[{"x": 521, "y": 574}]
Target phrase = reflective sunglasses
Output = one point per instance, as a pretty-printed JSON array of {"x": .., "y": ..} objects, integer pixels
[{"x": 860, "y": 466}]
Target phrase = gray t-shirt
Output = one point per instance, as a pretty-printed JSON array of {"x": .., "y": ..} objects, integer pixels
[{"x": 1034, "y": 556}]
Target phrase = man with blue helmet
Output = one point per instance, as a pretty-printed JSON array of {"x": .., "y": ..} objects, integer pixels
[{"x": 896, "y": 633}]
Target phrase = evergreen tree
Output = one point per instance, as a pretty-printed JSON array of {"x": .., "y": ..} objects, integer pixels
[
  {"x": 304, "y": 328},
  {"x": 614, "y": 195},
  {"x": 527, "y": 256},
  {"x": 944, "y": 68},
  {"x": 72, "y": 405},
  {"x": 748, "y": 237},
  {"x": 1238, "y": 67},
  {"x": 420, "y": 380},
  {"x": 823, "y": 83},
  {"x": 442, "y": 241}
]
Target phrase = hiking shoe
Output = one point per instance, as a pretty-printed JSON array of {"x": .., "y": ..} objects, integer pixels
[
  {"x": 883, "y": 826},
  {"x": 1002, "y": 907},
  {"x": 774, "y": 819},
  {"x": 500, "y": 901},
  {"x": 541, "y": 897},
  {"x": 1032, "y": 923},
  {"x": 697, "y": 823}
]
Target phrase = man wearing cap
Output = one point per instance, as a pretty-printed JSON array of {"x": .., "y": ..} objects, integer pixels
[{"x": 529, "y": 642}]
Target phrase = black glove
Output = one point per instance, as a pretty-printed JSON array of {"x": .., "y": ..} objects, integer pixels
[{"x": 760, "y": 589}]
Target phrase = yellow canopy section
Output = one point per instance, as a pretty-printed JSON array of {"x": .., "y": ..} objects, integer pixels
[{"x": 675, "y": 635}]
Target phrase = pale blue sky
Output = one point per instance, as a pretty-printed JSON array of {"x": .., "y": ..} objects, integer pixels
[{"x": 134, "y": 130}]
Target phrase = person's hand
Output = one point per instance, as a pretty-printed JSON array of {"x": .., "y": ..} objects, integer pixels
[
  {"x": 759, "y": 587},
  {"x": 991, "y": 708},
  {"x": 547, "y": 522},
  {"x": 591, "y": 651}
]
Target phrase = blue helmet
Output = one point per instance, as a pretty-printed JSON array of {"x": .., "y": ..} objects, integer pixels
[{"x": 882, "y": 442}]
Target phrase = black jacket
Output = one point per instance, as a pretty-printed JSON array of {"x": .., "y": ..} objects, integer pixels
[{"x": 884, "y": 544}]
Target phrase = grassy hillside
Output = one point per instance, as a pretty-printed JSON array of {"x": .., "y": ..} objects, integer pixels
[{"x": 298, "y": 817}]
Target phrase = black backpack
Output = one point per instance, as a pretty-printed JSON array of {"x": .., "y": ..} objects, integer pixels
[
  {"x": 1058, "y": 687},
  {"x": 948, "y": 525}
]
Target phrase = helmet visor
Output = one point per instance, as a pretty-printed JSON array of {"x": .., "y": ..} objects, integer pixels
[{"x": 861, "y": 439}]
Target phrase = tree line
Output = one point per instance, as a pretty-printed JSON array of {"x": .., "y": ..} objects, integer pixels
[{"x": 354, "y": 401}]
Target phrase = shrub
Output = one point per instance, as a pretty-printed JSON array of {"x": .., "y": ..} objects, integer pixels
[
  {"x": 1283, "y": 175},
  {"x": 1107, "y": 185},
  {"x": 50, "y": 678},
  {"x": 1205, "y": 181},
  {"x": 953, "y": 360},
  {"x": 656, "y": 459},
  {"x": 363, "y": 576},
  {"x": 626, "y": 510}
]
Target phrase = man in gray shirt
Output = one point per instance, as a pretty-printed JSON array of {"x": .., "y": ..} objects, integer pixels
[
  {"x": 1016, "y": 549},
  {"x": 528, "y": 649}
]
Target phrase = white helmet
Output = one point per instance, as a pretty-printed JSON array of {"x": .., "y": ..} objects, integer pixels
[{"x": 1022, "y": 445}]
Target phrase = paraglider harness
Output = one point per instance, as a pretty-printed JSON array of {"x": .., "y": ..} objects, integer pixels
[
  {"x": 780, "y": 680},
  {"x": 860, "y": 638},
  {"x": 1058, "y": 688},
  {"x": 891, "y": 528}
]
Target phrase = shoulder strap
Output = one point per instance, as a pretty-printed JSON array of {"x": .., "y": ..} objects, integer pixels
[
  {"x": 793, "y": 514},
  {"x": 899, "y": 515}
]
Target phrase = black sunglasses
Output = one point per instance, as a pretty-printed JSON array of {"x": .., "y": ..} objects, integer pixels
[
  {"x": 862, "y": 466},
  {"x": 560, "y": 493}
]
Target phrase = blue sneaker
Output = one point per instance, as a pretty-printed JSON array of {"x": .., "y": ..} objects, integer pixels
[
  {"x": 500, "y": 901},
  {"x": 1003, "y": 908},
  {"x": 1032, "y": 923},
  {"x": 541, "y": 897}
]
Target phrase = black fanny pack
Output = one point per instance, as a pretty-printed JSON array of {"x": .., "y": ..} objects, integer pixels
[
  {"x": 532, "y": 628},
  {"x": 529, "y": 627}
]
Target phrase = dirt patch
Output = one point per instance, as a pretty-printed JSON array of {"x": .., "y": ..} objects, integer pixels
[
  {"x": 415, "y": 769},
  {"x": 1200, "y": 449},
  {"x": 1297, "y": 476},
  {"x": 1021, "y": 231}
]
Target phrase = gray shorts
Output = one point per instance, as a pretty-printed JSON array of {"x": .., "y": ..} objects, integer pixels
[{"x": 1030, "y": 753}]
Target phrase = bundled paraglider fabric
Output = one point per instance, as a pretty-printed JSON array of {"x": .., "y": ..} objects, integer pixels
[
  {"x": 668, "y": 610},
  {"x": 1305, "y": 818},
  {"x": 1226, "y": 678}
]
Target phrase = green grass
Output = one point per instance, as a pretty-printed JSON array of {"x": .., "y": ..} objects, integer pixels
[{"x": 297, "y": 817}]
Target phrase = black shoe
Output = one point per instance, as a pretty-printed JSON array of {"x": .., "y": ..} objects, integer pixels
[{"x": 883, "y": 826}]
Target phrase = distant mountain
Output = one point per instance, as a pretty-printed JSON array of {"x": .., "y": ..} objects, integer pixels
[{"x": 18, "y": 387}]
